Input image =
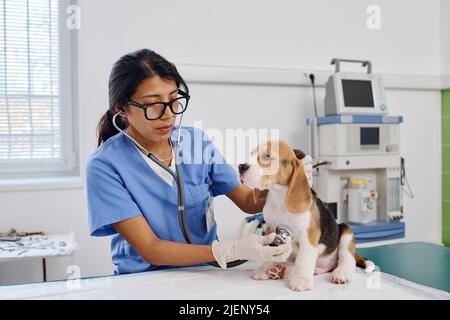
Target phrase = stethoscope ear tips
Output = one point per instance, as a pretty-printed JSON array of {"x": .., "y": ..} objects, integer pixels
[{"x": 121, "y": 114}]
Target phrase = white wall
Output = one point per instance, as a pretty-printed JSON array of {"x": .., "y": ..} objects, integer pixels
[
  {"x": 445, "y": 39},
  {"x": 285, "y": 33},
  {"x": 288, "y": 34}
]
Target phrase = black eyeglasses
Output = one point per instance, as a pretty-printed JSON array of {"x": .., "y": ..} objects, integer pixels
[{"x": 155, "y": 110}]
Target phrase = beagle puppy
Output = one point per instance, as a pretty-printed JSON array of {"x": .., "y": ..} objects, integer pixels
[{"x": 319, "y": 244}]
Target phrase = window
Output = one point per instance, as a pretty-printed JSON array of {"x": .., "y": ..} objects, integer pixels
[{"x": 35, "y": 105}]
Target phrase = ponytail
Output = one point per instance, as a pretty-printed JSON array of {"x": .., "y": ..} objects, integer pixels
[{"x": 106, "y": 129}]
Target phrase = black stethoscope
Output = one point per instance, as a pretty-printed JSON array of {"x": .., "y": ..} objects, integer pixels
[{"x": 179, "y": 181}]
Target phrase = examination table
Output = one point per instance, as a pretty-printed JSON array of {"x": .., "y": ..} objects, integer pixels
[{"x": 406, "y": 271}]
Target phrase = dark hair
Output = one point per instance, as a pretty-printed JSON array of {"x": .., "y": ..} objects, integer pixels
[{"x": 126, "y": 75}]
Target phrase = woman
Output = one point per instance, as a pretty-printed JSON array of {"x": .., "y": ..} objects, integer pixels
[{"x": 134, "y": 200}]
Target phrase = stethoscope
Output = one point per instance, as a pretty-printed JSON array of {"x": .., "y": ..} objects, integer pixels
[{"x": 179, "y": 181}]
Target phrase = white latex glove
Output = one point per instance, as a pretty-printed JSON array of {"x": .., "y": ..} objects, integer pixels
[
  {"x": 252, "y": 247},
  {"x": 308, "y": 165}
]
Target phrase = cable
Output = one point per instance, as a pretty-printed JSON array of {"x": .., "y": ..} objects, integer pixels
[
  {"x": 312, "y": 77},
  {"x": 404, "y": 180},
  {"x": 321, "y": 164}
]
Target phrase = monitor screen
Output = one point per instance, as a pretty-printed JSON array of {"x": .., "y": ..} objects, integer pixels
[
  {"x": 358, "y": 93},
  {"x": 370, "y": 136}
]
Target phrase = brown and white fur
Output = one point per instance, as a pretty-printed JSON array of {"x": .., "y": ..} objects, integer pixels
[{"x": 319, "y": 243}]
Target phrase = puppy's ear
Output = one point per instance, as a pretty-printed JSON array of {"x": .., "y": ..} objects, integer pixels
[
  {"x": 299, "y": 154},
  {"x": 299, "y": 197}
]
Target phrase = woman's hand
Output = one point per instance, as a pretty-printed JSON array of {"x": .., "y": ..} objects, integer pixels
[
  {"x": 138, "y": 233},
  {"x": 252, "y": 247},
  {"x": 247, "y": 199}
]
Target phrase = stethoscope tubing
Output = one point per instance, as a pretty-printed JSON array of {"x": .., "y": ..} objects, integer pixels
[{"x": 180, "y": 187}]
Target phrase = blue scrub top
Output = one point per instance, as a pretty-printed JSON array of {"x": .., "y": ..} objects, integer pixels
[{"x": 121, "y": 185}]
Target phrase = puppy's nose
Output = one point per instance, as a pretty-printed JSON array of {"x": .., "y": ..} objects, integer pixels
[{"x": 243, "y": 167}]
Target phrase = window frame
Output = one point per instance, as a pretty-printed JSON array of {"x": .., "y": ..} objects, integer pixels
[{"x": 68, "y": 102}]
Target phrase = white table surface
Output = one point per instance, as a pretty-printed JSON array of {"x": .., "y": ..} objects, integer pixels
[{"x": 208, "y": 283}]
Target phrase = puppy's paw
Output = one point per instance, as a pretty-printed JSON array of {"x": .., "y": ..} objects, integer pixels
[
  {"x": 260, "y": 274},
  {"x": 301, "y": 283},
  {"x": 342, "y": 274},
  {"x": 278, "y": 271}
]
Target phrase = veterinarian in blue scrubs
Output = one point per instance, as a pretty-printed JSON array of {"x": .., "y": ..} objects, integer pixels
[{"x": 135, "y": 201}]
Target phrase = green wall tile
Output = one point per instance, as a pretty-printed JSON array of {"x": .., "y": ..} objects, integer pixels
[
  {"x": 446, "y": 167},
  {"x": 446, "y": 103},
  {"x": 446, "y": 236},
  {"x": 446, "y": 130},
  {"x": 446, "y": 186},
  {"x": 446, "y": 158},
  {"x": 446, "y": 214}
]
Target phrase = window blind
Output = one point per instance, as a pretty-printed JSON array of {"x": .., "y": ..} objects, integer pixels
[{"x": 30, "y": 128}]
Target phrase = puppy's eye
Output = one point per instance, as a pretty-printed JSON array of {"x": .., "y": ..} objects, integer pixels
[{"x": 266, "y": 157}]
